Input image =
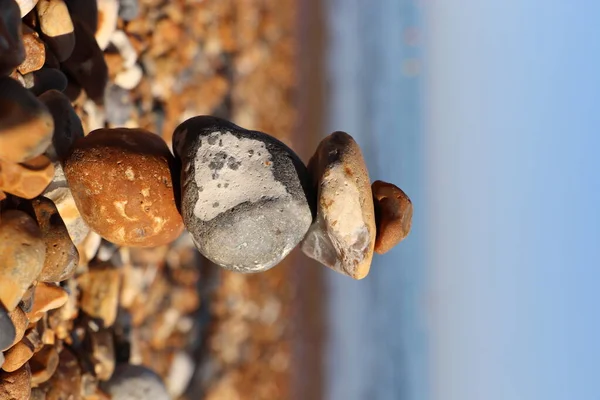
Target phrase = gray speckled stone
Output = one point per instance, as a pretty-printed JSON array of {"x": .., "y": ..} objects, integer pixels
[
  {"x": 134, "y": 382},
  {"x": 244, "y": 194},
  {"x": 7, "y": 330}
]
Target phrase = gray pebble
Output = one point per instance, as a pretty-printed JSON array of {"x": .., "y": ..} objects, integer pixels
[
  {"x": 7, "y": 330},
  {"x": 117, "y": 105},
  {"x": 129, "y": 9},
  {"x": 244, "y": 194},
  {"x": 134, "y": 382}
]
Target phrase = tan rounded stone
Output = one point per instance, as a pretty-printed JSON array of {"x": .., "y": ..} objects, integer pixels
[
  {"x": 43, "y": 365},
  {"x": 23, "y": 252},
  {"x": 16, "y": 356},
  {"x": 16, "y": 385},
  {"x": 57, "y": 27},
  {"x": 28, "y": 179},
  {"x": 47, "y": 297},
  {"x": 20, "y": 322},
  {"x": 26, "y": 126},
  {"x": 343, "y": 234},
  {"x": 393, "y": 211},
  {"x": 62, "y": 256},
  {"x": 100, "y": 293},
  {"x": 35, "y": 51},
  {"x": 121, "y": 182}
]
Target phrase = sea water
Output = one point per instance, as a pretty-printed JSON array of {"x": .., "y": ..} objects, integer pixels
[{"x": 377, "y": 342}]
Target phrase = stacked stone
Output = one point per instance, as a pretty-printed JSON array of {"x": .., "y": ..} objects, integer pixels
[{"x": 79, "y": 303}]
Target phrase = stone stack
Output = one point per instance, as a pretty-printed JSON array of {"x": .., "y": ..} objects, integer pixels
[{"x": 96, "y": 272}]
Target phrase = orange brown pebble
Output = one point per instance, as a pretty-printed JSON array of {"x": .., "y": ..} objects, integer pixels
[
  {"x": 394, "y": 212},
  {"x": 121, "y": 182}
]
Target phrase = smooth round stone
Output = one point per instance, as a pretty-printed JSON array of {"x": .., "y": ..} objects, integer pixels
[
  {"x": 244, "y": 194},
  {"x": 15, "y": 385},
  {"x": 28, "y": 179},
  {"x": 135, "y": 382},
  {"x": 48, "y": 79},
  {"x": 7, "y": 330},
  {"x": 57, "y": 27},
  {"x": 86, "y": 64},
  {"x": 61, "y": 254},
  {"x": 16, "y": 356},
  {"x": 26, "y": 125},
  {"x": 35, "y": 51},
  {"x": 12, "y": 51},
  {"x": 121, "y": 182},
  {"x": 393, "y": 214},
  {"x": 343, "y": 234},
  {"x": 47, "y": 297},
  {"x": 23, "y": 252},
  {"x": 67, "y": 125}
]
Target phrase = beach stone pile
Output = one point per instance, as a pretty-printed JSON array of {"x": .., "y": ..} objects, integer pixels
[{"x": 97, "y": 275}]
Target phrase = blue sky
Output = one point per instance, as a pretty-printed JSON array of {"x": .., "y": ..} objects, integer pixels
[{"x": 512, "y": 154}]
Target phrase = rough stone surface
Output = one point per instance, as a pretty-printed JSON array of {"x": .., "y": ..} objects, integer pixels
[
  {"x": 23, "y": 252},
  {"x": 48, "y": 79},
  {"x": 57, "y": 27},
  {"x": 135, "y": 382},
  {"x": 26, "y": 126},
  {"x": 343, "y": 234},
  {"x": 12, "y": 51},
  {"x": 67, "y": 125},
  {"x": 7, "y": 330},
  {"x": 35, "y": 51},
  {"x": 16, "y": 385},
  {"x": 121, "y": 182},
  {"x": 100, "y": 293},
  {"x": 393, "y": 212},
  {"x": 244, "y": 194},
  {"x": 20, "y": 321},
  {"x": 17, "y": 356},
  {"x": 61, "y": 254},
  {"x": 28, "y": 179},
  {"x": 86, "y": 64}
]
